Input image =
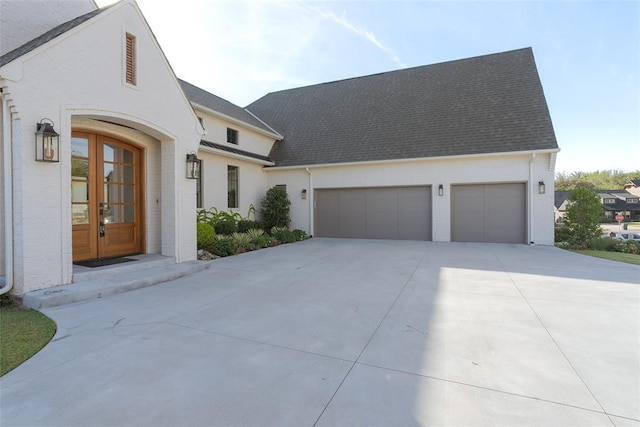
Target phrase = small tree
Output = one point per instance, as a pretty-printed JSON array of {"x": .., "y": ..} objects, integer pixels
[
  {"x": 583, "y": 215},
  {"x": 274, "y": 209}
]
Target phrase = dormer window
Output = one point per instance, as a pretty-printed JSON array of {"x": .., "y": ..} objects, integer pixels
[
  {"x": 609, "y": 201},
  {"x": 130, "y": 59},
  {"x": 632, "y": 200},
  {"x": 232, "y": 136}
]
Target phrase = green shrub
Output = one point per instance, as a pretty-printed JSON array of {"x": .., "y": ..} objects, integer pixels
[
  {"x": 300, "y": 235},
  {"x": 583, "y": 216},
  {"x": 224, "y": 246},
  {"x": 259, "y": 239},
  {"x": 603, "y": 244},
  {"x": 263, "y": 241},
  {"x": 245, "y": 225},
  {"x": 283, "y": 235},
  {"x": 274, "y": 210},
  {"x": 563, "y": 245},
  {"x": 243, "y": 240},
  {"x": 226, "y": 227},
  {"x": 562, "y": 234},
  {"x": 205, "y": 234},
  {"x": 628, "y": 247}
]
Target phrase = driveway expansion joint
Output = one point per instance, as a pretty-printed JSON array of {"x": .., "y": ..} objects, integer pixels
[{"x": 551, "y": 336}]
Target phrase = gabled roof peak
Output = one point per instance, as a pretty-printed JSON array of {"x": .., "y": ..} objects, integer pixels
[{"x": 48, "y": 36}]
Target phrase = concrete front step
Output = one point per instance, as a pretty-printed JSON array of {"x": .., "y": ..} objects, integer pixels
[
  {"x": 110, "y": 285},
  {"x": 142, "y": 262}
]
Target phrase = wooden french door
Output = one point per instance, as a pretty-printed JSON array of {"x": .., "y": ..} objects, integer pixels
[{"x": 106, "y": 189}]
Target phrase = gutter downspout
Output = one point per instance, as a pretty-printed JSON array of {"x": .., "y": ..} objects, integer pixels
[
  {"x": 8, "y": 195},
  {"x": 311, "y": 230},
  {"x": 530, "y": 201}
]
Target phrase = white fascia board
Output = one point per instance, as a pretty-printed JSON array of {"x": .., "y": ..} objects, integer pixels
[
  {"x": 417, "y": 159},
  {"x": 234, "y": 155},
  {"x": 280, "y": 137},
  {"x": 218, "y": 114}
]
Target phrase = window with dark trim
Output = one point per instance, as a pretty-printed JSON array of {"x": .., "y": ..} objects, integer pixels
[
  {"x": 199, "y": 187},
  {"x": 282, "y": 187},
  {"x": 130, "y": 59},
  {"x": 232, "y": 136},
  {"x": 232, "y": 186}
]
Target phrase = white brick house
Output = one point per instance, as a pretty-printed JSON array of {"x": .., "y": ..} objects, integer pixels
[
  {"x": 459, "y": 151},
  {"x": 75, "y": 75}
]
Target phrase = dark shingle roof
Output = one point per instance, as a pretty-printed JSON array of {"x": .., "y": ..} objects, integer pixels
[
  {"x": 486, "y": 104},
  {"x": 559, "y": 197},
  {"x": 48, "y": 36},
  {"x": 234, "y": 150},
  {"x": 209, "y": 100}
]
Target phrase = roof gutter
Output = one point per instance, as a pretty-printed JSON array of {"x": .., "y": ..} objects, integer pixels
[
  {"x": 311, "y": 202},
  {"x": 417, "y": 159},
  {"x": 530, "y": 199},
  {"x": 7, "y": 170},
  {"x": 274, "y": 134},
  {"x": 233, "y": 155}
]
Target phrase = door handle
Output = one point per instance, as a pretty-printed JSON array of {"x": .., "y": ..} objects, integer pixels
[{"x": 101, "y": 229}]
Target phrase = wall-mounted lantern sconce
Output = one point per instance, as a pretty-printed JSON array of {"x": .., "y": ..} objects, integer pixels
[
  {"x": 193, "y": 166},
  {"x": 440, "y": 190},
  {"x": 304, "y": 193},
  {"x": 541, "y": 187},
  {"x": 47, "y": 142}
]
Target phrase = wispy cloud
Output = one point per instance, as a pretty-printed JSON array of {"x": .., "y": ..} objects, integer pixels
[{"x": 367, "y": 35}]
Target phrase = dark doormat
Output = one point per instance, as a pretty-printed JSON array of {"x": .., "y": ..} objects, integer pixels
[{"x": 103, "y": 262}]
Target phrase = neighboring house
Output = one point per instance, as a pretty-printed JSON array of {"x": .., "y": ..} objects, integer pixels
[
  {"x": 633, "y": 187},
  {"x": 458, "y": 151},
  {"x": 614, "y": 202},
  {"x": 560, "y": 206}
]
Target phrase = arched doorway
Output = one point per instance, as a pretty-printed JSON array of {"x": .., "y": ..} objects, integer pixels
[{"x": 106, "y": 197}]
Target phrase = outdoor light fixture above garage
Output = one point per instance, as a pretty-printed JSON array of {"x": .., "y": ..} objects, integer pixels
[
  {"x": 304, "y": 193},
  {"x": 440, "y": 190},
  {"x": 541, "y": 187},
  {"x": 47, "y": 142},
  {"x": 193, "y": 166}
]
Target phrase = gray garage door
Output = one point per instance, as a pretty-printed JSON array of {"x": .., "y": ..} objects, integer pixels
[
  {"x": 402, "y": 213},
  {"x": 494, "y": 213}
]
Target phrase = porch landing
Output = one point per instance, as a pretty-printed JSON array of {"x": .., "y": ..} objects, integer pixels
[{"x": 91, "y": 283}]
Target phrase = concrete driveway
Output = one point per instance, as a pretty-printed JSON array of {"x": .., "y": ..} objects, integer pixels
[{"x": 349, "y": 332}]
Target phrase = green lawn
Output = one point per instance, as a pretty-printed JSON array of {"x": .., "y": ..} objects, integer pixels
[
  {"x": 614, "y": 256},
  {"x": 22, "y": 334}
]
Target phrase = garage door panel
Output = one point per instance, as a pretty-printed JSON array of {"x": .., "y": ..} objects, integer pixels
[
  {"x": 414, "y": 213},
  {"x": 351, "y": 203},
  {"x": 327, "y": 213},
  {"x": 375, "y": 213},
  {"x": 468, "y": 211},
  {"x": 494, "y": 213}
]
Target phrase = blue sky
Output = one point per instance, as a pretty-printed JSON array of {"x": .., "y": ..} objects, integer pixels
[{"x": 587, "y": 53}]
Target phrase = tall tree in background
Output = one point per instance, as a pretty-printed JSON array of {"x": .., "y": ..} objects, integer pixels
[
  {"x": 608, "y": 179},
  {"x": 583, "y": 215}
]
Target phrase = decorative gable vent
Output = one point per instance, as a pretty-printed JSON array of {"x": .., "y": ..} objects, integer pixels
[{"x": 130, "y": 60}]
